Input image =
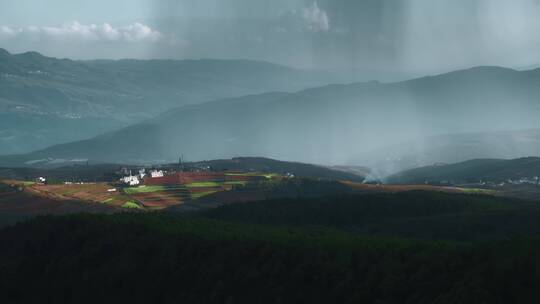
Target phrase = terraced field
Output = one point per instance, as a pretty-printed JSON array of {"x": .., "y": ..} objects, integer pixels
[
  {"x": 368, "y": 188},
  {"x": 158, "y": 197},
  {"x": 153, "y": 196},
  {"x": 91, "y": 193},
  {"x": 169, "y": 191},
  {"x": 23, "y": 200}
]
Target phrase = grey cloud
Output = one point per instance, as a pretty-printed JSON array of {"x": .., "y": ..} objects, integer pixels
[{"x": 409, "y": 36}]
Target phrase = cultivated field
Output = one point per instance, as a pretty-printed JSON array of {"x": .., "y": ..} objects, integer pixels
[
  {"x": 26, "y": 199},
  {"x": 369, "y": 188},
  {"x": 155, "y": 194},
  {"x": 190, "y": 191}
]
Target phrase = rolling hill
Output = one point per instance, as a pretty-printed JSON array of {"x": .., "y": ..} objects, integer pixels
[
  {"x": 106, "y": 172},
  {"x": 332, "y": 124},
  {"x": 302, "y": 170},
  {"x": 449, "y": 149},
  {"x": 412, "y": 248},
  {"x": 46, "y": 101},
  {"x": 472, "y": 171}
]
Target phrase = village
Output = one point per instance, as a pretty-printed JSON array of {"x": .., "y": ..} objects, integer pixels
[
  {"x": 530, "y": 183},
  {"x": 150, "y": 187},
  {"x": 135, "y": 180}
]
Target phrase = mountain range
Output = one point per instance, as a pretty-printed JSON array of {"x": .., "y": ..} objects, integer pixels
[
  {"x": 46, "y": 101},
  {"x": 336, "y": 124}
]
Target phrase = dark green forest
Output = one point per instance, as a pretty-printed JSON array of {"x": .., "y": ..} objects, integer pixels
[
  {"x": 282, "y": 251},
  {"x": 414, "y": 214}
]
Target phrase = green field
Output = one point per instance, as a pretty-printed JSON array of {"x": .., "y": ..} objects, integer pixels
[
  {"x": 478, "y": 191},
  {"x": 202, "y": 194},
  {"x": 108, "y": 200},
  {"x": 204, "y": 184},
  {"x": 131, "y": 205},
  {"x": 197, "y": 189},
  {"x": 151, "y": 189},
  {"x": 239, "y": 183},
  {"x": 266, "y": 175}
]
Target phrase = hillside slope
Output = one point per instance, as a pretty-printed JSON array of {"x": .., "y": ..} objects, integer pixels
[
  {"x": 46, "y": 101},
  {"x": 107, "y": 172},
  {"x": 472, "y": 171},
  {"x": 331, "y": 124},
  {"x": 302, "y": 170},
  {"x": 141, "y": 258},
  {"x": 449, "y": 149}
]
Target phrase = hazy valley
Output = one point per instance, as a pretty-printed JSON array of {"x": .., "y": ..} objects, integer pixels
[{"x": 46, "y": 101}]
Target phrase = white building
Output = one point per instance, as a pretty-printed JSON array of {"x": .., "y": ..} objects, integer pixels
[
  {"x": 130, "y": 180},
  {"x": 156, "y": 173},
  {"x": 142, "y": 173}
]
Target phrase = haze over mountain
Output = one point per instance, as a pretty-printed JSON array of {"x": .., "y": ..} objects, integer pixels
[
  {"x": 473, "y": 171},
  {"x": 334, "y": 124},
  {"x": 46, "y": 101},
  {"x": 449, "y": 149}
]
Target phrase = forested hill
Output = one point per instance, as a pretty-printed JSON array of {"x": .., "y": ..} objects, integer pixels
[
  {"x": 415, "y": 214},
  {"x": 473, "y": 171},
  {"x": 151, "y": 258},
  {"x": 296, "y": 169}
]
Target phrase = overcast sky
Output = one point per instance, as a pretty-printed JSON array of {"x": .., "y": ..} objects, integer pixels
[{"x": 412, "y": 35}]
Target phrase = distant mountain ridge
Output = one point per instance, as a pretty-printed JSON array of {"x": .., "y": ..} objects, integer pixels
[
  {"x": 472, "y": 171},
  {"x": 46, "y": 101},
  {"x": 451, "y": 148},
  {"x": 333, "y": 124}
]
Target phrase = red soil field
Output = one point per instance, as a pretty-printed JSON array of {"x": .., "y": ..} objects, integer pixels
[
  {"x": 161, "y": 199},
  {"x": 399, "y": 188},
  {"x": 228, "y": 197},
  {"x": 24, "y": 202},
  {"x": 194, "y": 177},
  {"x": 244, "y": 178},
  {"x": 186, "y": 178}
]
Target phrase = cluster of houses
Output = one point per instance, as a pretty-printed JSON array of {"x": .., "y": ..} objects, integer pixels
[
  {"x": 135, "y": 180},
  {"x": 525, "y": 181},
  {"x": 521, "y": 181}
]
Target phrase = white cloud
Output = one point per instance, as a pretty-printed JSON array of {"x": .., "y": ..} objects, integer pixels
[
  {"x": 316, "y": 19},
  {"x": 7, "y": 31},
  {"x": 136, "y": 32}
]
